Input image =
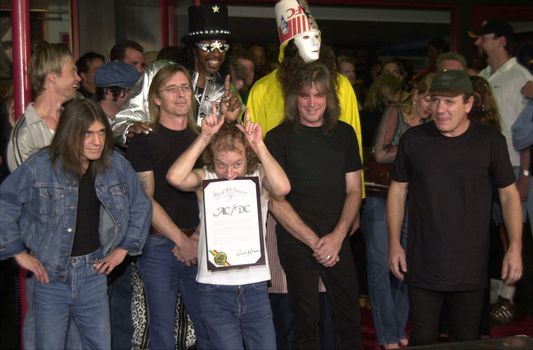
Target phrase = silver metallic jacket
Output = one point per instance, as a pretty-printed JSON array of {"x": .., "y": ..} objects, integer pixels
[{"x": 136, "y": 108}]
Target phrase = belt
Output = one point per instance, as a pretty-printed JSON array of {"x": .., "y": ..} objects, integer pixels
[{"x": 188, "y": 231}]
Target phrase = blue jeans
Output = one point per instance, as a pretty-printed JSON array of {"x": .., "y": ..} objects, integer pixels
[
  {"x": 238, "y": 317},
  {"x": 83, "y": 297},
  {"x": 164, "y": 277},
  {"x": 120, "y": 294},
  {"x": 388, "y": 295}
]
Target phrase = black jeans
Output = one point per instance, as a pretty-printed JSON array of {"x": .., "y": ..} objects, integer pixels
[
  {"x": 463, "y": 308},
  {"x": 302, "y": 271}
]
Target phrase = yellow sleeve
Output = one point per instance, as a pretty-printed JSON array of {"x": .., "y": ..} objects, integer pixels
[
  {"x": 350, "y": 113},
  {"x": 265, "y": 103}
]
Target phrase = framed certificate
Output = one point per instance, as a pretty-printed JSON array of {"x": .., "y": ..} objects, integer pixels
[{"x": 233, "y": 223}]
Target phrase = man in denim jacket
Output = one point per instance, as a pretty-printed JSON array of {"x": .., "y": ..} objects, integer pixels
[{"x": 70, "y": 214}]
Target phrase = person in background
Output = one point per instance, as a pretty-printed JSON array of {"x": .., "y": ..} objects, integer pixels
[
  {"x": 54, "y": 80},
  {"x": 114, "y": 81},
  {"x": 346, "y": 66},
  {"x": 484, "y": 110},
  {"x": 87, "y": 65},
  {"x": 495, "y": 39},
  {"x": 395, "y": 67},
  {"x": 7, "y": 122},
  {"x": 450, "y": 61},
  {"x": 242, "y": 62},
  {"x": 260, "y": 60},
  {"x": 388, "y": 296},
  {"x": 435, "y": 47},
  {"x": 385, "y": 89},
  {"x": 415, "y": 110},
  {"x": 129, "y": 51}
]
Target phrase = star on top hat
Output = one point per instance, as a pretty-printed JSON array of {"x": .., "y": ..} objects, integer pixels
[
  {"x": 207, "y": 21},
  {"x": 293, "y": 17}
]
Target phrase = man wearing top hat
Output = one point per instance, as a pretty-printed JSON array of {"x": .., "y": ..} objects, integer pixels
[
  {"x": 207, "y": 43},
  {"x": 449, "y": 212}
]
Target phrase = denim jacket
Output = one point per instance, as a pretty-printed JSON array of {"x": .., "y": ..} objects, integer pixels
[{"x": 39, "y": 207}]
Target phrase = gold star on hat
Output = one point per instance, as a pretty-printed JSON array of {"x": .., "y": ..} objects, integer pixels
[{"x": 215, "y": 9}]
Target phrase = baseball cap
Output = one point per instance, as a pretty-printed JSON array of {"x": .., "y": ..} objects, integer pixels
[
  {"x": 451, "y": 83},
  {"x": 116, "y": 74},
  {"x": 494, "y": 26}
]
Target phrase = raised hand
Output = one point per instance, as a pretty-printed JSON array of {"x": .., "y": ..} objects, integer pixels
[
  {"x": 230, "y": 105},
  {"x": 252, "y": 131},
  {"x": 211, "y": 124}
]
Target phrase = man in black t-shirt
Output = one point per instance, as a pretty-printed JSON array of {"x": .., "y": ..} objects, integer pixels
[
  {"x": 449, "y": 168},
  {"x": 168, "y": 263},
  {"x": 320, "y": 155}
]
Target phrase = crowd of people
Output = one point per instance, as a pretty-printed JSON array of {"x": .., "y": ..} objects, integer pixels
[{"x": 104, "y": 200}]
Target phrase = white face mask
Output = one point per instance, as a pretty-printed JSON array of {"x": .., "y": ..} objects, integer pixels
[{"x": 308, "y": 44}]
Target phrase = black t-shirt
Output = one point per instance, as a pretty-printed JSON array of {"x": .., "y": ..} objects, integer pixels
[
  {"x": 86, "y": 236},
  {"x": 451, "y": 181},
  {"x": 156, "y": 152},
  {"x": 316, "y": 164}
]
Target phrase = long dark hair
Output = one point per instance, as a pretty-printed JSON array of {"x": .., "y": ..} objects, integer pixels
[
  {"x": 76, "y": 118},
  {"x": 292, "y": 61},
  {"x": 312, "y": 74}
]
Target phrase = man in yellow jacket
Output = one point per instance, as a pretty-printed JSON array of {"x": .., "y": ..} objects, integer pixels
[{"x": 266, "y": 100}]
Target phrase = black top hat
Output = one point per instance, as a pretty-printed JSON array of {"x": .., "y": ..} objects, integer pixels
[{"x": 207, "y": 22}]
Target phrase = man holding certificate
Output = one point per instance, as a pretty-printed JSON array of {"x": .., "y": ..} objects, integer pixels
[
  {"x": 320, "y": 155},
  {"x": 233, "y": 189}
]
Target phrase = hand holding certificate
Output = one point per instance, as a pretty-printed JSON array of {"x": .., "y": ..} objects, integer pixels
[{"x": 233, "y": 220}]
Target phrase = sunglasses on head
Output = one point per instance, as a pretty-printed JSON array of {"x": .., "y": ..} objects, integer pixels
[{"x": 214, "y": 45}]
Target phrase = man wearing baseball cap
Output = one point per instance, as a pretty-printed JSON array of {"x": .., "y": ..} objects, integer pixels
[
  {"x": 506, "y": 76},
  {"x": 449, "y": 167},
  {"x": 114, "y": 81}
]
